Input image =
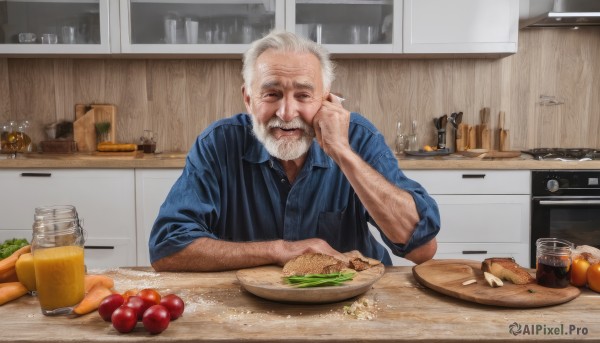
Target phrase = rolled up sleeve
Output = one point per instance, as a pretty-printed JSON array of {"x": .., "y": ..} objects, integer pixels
[
  {"x": 429, "y": 216},
  {"x": 190, "y": 208}
]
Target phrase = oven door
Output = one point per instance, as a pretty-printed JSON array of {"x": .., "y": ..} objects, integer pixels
[{"x": 574, "y": 218}]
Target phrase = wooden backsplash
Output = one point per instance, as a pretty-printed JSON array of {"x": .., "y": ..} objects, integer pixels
[{"x": 179, "y": 98}]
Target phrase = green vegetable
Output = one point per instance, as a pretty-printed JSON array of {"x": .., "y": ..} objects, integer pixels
[
  {"x": 11, "y": 245},
  {"x": 319, "y": 280},
  {"x": 102, "y": 127}
]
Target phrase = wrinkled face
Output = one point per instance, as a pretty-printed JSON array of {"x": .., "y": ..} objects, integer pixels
[{"x": 286, "y": 93}]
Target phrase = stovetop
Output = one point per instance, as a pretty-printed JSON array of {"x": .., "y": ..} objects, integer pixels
[{"x": 564, "y": 154}]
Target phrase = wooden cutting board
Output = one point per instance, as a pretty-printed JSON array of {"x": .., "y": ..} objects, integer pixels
[{"x": 447, "y": 276}]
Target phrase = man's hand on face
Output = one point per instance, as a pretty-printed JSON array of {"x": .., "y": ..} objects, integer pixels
[{"x": 331, "y": 125}]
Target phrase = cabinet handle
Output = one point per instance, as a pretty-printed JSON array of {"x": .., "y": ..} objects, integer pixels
[
  {"x": 98, "y": 247},
  {"x": 473, "y": 176},
  {"x": 36, "y": 174},
  {"x": 473, "y": 252}
]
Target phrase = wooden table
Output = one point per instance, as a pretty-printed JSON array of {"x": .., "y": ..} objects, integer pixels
[{"x": 218, "y": 309}]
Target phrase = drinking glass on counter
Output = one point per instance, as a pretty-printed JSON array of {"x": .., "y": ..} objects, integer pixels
[
  {"x": 58, "y": 258},
  {"x": 553, "y": 262}
]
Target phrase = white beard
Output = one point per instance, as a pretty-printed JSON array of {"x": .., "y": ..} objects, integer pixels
[{"x": 285, "y": 148}]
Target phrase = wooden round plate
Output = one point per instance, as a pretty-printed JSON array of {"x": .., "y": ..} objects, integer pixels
[{"x": 267, "y": 282}]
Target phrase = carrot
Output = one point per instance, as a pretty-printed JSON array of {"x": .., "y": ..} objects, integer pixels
[
  {"x": 11, "y": 291},
  {"x": 91, "y": 280},
  {"x": 7, "y": 265},
  {"x": 92, "y": 299}
]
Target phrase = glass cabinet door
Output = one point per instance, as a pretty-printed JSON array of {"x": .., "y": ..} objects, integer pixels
[
  {"x": 348, "y": 26},
  {"x": 56, "y": 26},
  {"x": 196, "y": 26}
]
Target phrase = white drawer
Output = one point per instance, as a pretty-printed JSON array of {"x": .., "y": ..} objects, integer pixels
[
  {"x": 483, "y": 218},
  {"x": 473, "y": 181},
  {"x": 481, "y": 251},
  {"x": 109, "y": 252}
]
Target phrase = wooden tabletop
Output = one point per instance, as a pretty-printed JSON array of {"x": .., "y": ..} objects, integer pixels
[
  {"x": 177, "y": 160},
  {"x": 219, "y": 310}
]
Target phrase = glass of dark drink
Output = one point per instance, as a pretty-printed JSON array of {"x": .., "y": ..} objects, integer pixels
[{"x": 553, "y": 262}]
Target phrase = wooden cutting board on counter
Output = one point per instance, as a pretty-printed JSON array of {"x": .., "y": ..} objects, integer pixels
[
  {"x": 447, "y": 276},
  {"x": 84, "y": 126}
]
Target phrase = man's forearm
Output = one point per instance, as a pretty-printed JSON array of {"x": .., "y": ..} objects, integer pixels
[
  {"x": 393, "y": 209},
  {"x": 205, "y": 254}
]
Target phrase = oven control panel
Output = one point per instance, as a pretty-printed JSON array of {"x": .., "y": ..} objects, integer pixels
[{"x": 565, "y": 182}]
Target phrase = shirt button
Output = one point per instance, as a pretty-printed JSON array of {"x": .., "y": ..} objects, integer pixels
[{"x": 282, "y": 180}]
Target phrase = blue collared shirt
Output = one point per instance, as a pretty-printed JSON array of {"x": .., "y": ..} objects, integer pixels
[{"x": 232, "y": 189}]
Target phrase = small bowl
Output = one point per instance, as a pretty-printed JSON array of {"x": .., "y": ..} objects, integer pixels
[{"x": 27, "y": 37}]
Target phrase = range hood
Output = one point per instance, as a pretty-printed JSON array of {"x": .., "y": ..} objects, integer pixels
[{"x": 559, "y": 13}]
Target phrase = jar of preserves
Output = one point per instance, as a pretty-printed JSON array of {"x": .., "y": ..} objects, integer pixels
[{"x": 553, "y": 262}]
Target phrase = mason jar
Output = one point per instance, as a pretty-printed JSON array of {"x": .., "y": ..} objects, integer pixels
[
  {"x": 553, "y": 262},
  {"x": 58, "y": 258}
]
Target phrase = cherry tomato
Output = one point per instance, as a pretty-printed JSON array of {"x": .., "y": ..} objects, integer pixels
[
  {"x": 108, "y": 305},
  {"x": 129, "y": 293},
  {"x": 156, "y": 319},
  {"x": 124, "y": 319},
  {"x": 150, "y": 295},
  {"x": 138, "y": 305},
  {"x": 593, "y": 277},
  {"x": 174, "y": 304},
  {"x": 579, "y": 272}
]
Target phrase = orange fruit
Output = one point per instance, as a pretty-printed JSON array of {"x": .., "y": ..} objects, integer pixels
[
  {"x": 593, "y": 277},
  {"x": 579, "y": 270}
]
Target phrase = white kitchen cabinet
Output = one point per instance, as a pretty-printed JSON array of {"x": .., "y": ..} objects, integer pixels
[
  {"x": 460, "y": 26},
  {"x": 483, "y": 213},
  {"x": 59, "y": 27},
  {"x": 151, "y": 189},
  {"x": 196, "y": 26},
  {"x": 104, "y": 199},
  {"x": 352, "y": 26}
]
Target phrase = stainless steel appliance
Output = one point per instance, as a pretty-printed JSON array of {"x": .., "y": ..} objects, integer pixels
[
  {"x": 565, "y": 204},
  {"x": 564, "y": 154}
]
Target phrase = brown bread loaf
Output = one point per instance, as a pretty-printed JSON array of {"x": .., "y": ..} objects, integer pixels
[{"x": 507, "y": 269}]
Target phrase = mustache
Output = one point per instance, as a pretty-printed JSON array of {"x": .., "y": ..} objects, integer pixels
[{"x": 296, "y": 123}]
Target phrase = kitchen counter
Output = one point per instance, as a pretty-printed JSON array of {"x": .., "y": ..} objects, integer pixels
[
  {"x": 219, "y": 310},
  {"x": 177, "y": 160}
]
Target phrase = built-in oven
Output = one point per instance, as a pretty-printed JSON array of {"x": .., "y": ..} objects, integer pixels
[{"x": 565, "y": 204}]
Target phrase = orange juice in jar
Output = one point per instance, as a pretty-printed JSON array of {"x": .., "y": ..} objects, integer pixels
[
  {"x": 57, "y": 248},
  {"x": 59, "y": 275}
]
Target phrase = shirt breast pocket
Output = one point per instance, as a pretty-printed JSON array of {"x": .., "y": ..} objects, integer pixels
[{"x": 338, "y": 229}]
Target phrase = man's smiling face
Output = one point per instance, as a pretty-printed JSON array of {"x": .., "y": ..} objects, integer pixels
[{"x": 286, "y": 93}]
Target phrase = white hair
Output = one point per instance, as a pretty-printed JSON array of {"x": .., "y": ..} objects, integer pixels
[{"x": 288, "y": 42}]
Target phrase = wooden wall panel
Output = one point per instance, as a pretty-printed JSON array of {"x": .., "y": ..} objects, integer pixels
[
  {"x": 180, "y": 98},
  {"x": 4, "y": 91}
]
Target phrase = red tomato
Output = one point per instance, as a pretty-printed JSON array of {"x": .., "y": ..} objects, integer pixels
[
  {"x": 129, "y": 293},
  {"x": 593, "y": 277},
  {"x": 150, "y": 295},
  {"x": 124, "y": 319},
  {"x": 108, "y": 305},
  {"x": 579, "y": 272},
  {"x": 138, "y": 305},
  {"x": 156, "y": 319},
  {"x": 174, "y": 304}
]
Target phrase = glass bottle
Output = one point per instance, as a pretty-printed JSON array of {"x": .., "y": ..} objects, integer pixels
[
  {"x": 553, "y": 262},
  {"x": 400, "y": 139},
  {"x": 58, "y": 258}
]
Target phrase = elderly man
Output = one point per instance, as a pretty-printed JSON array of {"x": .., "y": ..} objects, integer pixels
[{"x": 297, "y": 174}]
